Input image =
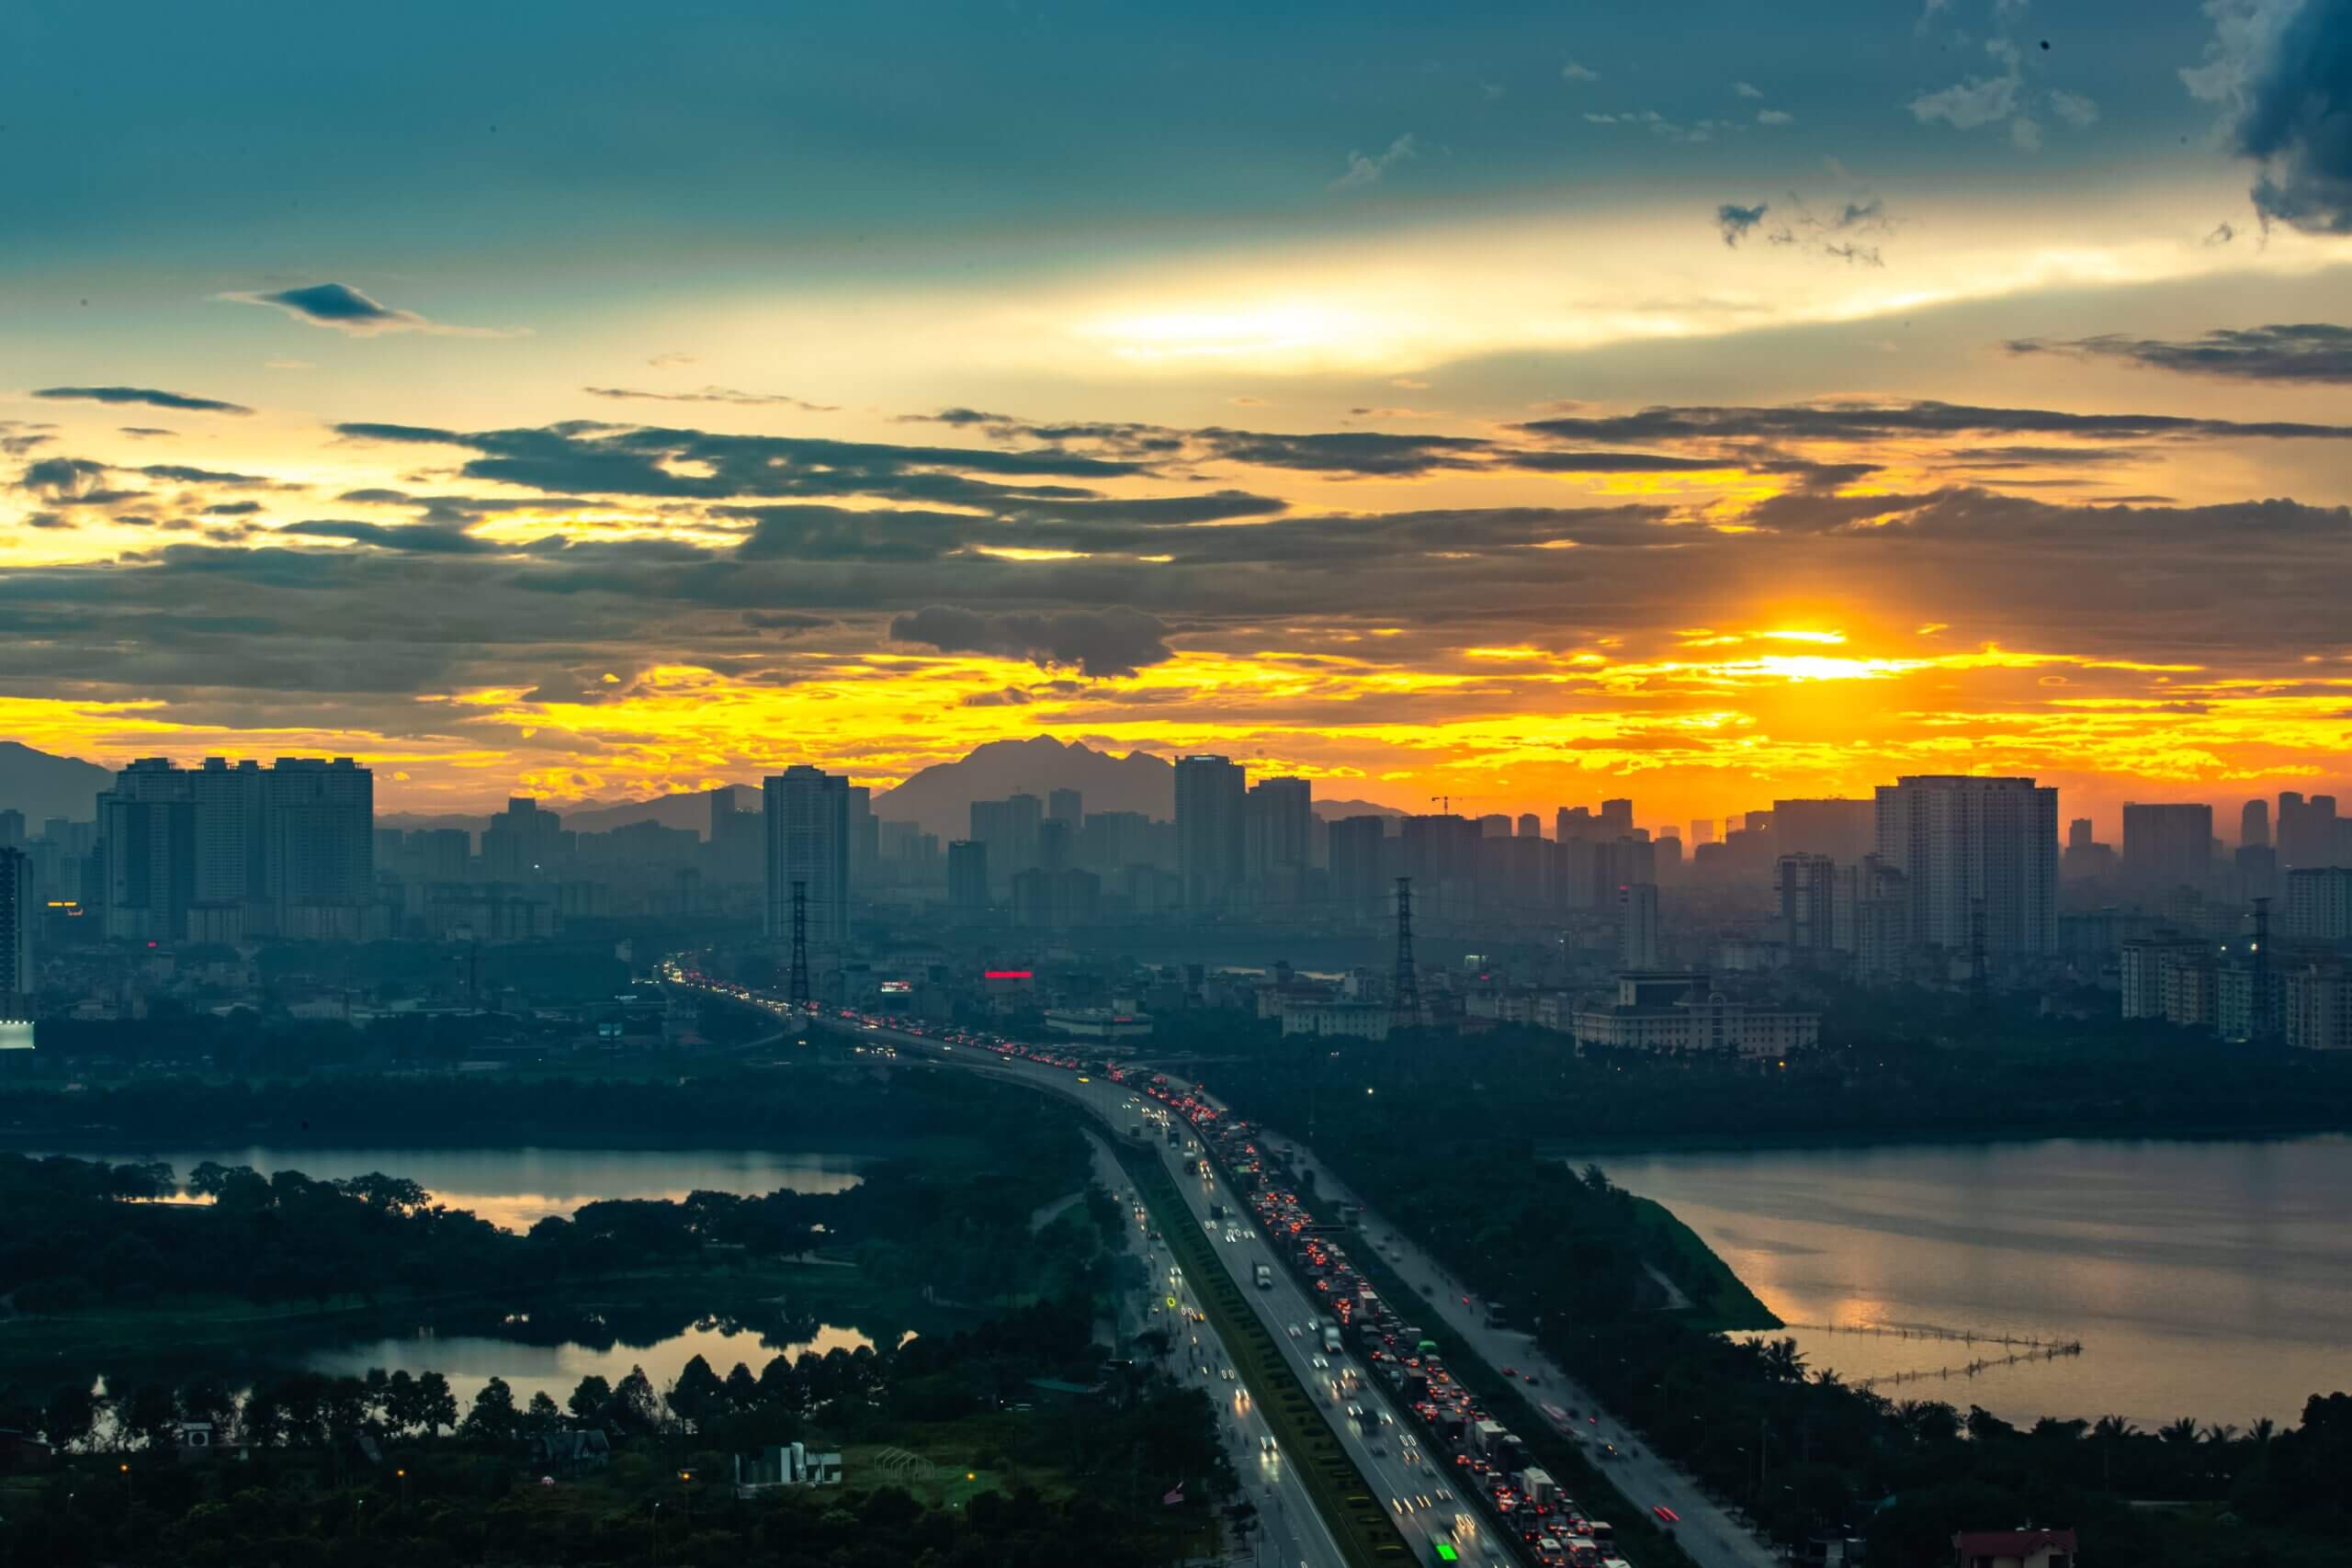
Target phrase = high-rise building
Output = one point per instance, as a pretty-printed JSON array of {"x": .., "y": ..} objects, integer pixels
[
  {"x": 288, "y": 849},
  {"x": 1808, "y": 890},
  {"x": 1845, "y": 831},
  {"x": 1616, "y": 818},
  {"x": 2168, "y": 846},
  {"x": 2310, "y": 833},
  {"x": 1960, "y": 842},
  {"x": 738, "y": 837},
  {"x": 808, "y": 842},
  {"x": 2254, "y": 825},
  {"x": 1210, "y": 791},
  {"x": 967, "y": 877},
  {"x": 1067, "y": 807},
  {"x": 12, "y": 830},
  {"x": 1872, "y": 919},
  {"x": 1278, "y": 817},
  {"x": 1495, "y": 825},
  {"x": 318, "y": 845},
  {"x": 1571, "y": 822},
  {"x": 2319, "y": 905},
  {"x": 1530, "y": 824},
  {"x": 19, "y": 917},
  {"x": 2317, "y": 1005},
  {"x": 1359, "y": 863},
  {"x": 864, "y": 835},
  {"x": 2255, "y": 867},
  {"x": 1637, "y": 932}
]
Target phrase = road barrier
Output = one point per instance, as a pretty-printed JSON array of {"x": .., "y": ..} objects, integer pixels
[{"x": 1367, "y": 1537}]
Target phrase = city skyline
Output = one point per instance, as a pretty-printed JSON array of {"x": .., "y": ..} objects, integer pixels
[{"x": 1526, "y": 421}]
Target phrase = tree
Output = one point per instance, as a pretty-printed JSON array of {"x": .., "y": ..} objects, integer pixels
[
  {"x": 493, "y": 1418},
  {"x": 436, "y": 1406},
  {"x": 72, "y": 1415},
  {"x": 588, "y": 1401},
  {"x": 698, "y": 1396},
  {"x": 544, "y": 1415},
  {"x": 152, "y": 1417},
  {"x": 636, "y": 1403}
]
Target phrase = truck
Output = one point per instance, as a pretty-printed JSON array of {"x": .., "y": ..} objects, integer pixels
[
  {"x": 1331, "y": 1337},
  {"x": 1538, "y": 1486},
  {"x": 1265, "y": 1276}
]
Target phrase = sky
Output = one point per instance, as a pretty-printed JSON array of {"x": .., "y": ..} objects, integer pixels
[{"x": 1516, "y": 403}]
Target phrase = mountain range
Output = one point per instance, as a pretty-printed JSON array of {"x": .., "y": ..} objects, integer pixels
[
  {"x": 42, "y": 785},
  {"x": 938, "y": 797}
]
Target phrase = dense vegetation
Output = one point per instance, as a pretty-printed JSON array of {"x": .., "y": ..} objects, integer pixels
[
  {"x": 1056, "y": 1484},
  {"x": 1452, "y": 1147},
  {"x": 958, "y": 1228}
]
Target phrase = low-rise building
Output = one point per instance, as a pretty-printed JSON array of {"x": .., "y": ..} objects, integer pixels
[
  {"x": 1111, "y": 1025},
  {"x": 2013, "y": 1549},
  {"x": 1664, "y": 1011}
]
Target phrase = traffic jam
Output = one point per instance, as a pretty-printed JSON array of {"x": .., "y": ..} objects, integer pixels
[
  {"x": 1482, "y": 1458},
  {"x": 1457, "y": 1436}
]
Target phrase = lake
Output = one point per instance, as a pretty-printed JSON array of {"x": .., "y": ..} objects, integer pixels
[
  {"x": 518, "y": 1188},
  {"x": 2212, "y": 1280}
]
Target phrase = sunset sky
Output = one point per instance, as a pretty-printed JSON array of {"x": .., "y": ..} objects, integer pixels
[{"x": 1526, "y": 403}]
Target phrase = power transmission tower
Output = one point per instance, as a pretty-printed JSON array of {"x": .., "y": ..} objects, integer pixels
[
  {"x": 1405, "y": 991},
  {"x": 799, "y": 994}
]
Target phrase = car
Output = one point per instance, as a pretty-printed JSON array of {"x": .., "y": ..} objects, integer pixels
[
  {"x": 1666, "y": 1516},
  {"x": 1386, "y": 1419},
  {"x": 1510, "y": 1371},
  {"x": 1294, "y": 1331},
  {"x": 1530, "y": 1377},
  {"x": 1266, "y": 1444},
  {"x": 1317, "y": 1363}
]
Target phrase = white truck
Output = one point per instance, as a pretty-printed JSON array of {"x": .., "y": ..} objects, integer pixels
[
  {"x": 1331, "y": 1337},
  {"x": 1265, "y": 1277}
]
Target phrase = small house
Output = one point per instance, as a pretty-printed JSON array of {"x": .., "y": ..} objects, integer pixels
[{"x": 2014, "y": 1548}]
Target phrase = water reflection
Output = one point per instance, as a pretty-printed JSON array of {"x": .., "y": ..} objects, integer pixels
[
  {"x": 2206, "y": 1279},
  {"x": 469, "y": 1360},
  {"x": 518, "y": 1187}
]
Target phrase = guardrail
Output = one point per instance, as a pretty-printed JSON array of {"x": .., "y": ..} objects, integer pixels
[{"x": 1359, "y": 1523}]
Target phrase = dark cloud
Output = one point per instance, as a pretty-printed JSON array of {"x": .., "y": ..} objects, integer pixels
[
  {"x": 347, "y": 310},
  {"x": 1347, "y": 452},
  {"x": 2305, "y": 351},
  {"x": 1100, "y": 643},
  {"x": 233, "y": 509},
  {"x": 1863, "y": 422},
  {"x": 147, "y": 395},
  {"x": 20, "y": 436},
  {"x": 2295, "y": 120},
  {"x": 714, "y": 395},
  {"x": 143, "y": 431},
  {"x": 180, "y": 473},
  {"x": 1735, "y": 222}
]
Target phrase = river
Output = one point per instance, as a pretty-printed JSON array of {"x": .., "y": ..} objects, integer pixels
[{"x": 2212, "y": 1280}]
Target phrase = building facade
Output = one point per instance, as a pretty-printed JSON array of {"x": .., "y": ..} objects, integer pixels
[{"x": 1965, "y": 844}]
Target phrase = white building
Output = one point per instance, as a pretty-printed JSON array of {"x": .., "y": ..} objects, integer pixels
[
  {"x": 1664, "y": 1011},
  {"x": 808, "y": 842},
  {"x": 1962, "y": 842}
]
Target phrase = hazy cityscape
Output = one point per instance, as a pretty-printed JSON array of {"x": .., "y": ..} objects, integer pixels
[{"x": 955, "y": 785}]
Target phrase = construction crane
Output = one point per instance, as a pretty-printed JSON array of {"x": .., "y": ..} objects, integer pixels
[{"x": 1445, "y": 802}]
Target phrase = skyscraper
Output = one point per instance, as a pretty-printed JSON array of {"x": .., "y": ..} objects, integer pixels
[
  {"x": 1530, "y": 824},
  {"x": 2254, "y": 825},
  {"x": 1277, "y": 821},
  {"x": 1808, "y": 892},
  {"x": 1958, "y": 839},
  {"x": 1359, "y": 868},
  {"x": 288, "y": 849},
  {"x": 19, "y": 914},
  {"x": 1637, "y": 937},
  {"x": 1210, "y": 791},
  {"x": 967, "y": 877},
  {"x": 1067, "y": 807},
  {"x": 808, "y": 842},
  {"x": 1616, "y": 817},
  {"x": 2168, "y": 846}
]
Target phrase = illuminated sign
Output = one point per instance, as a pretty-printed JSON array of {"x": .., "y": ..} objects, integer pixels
[
  {"x": 894, "y": 987},
  {"x": 1007, "y": 974}
]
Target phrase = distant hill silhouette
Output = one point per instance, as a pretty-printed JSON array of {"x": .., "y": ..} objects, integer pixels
[
  {"x": 42, "y": 785},
  {"x": 940, "y": 798}
]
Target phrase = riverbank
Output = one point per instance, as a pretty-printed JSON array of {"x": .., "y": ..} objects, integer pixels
[{"x": 1586, "y": 1149}]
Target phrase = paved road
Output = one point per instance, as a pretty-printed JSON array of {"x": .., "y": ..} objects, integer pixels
[
  {"x": 1290, "y": 1533},
  {"x": 1706, "y": 1532}
]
